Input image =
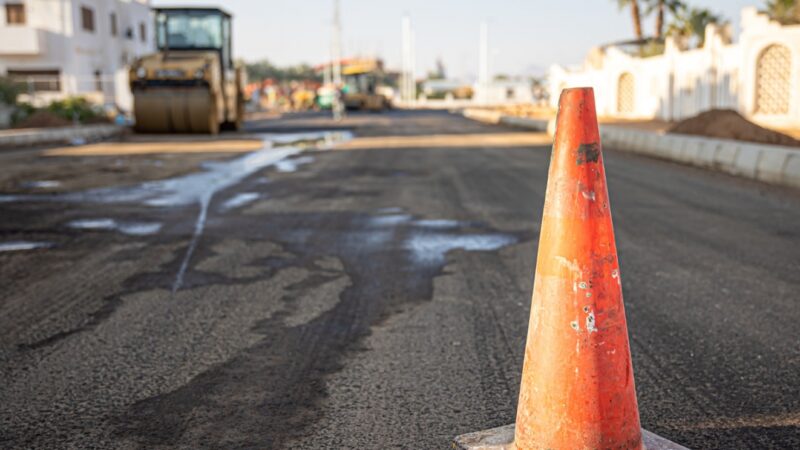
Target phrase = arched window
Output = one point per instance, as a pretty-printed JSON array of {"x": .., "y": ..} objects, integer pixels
[
  {"x": 625, "y": 94},
  {"x": 773, "y": 85}
]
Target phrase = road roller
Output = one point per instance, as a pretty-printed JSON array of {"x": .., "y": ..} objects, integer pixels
[
  {"x": 362, "y": 80},
  {"x": 191, "y": 84}
]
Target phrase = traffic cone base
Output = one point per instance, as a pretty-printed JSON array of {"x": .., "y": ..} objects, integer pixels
[{"x": 502, "y": 438}]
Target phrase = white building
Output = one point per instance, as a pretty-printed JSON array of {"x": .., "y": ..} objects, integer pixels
[
  {"x": 759, "y": 75},
  {"x": 503, "y": 92},
  {"x": 63, "y": 48}
]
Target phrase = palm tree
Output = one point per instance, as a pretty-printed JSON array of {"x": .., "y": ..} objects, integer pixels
[
  {"x": 661, "y": 7},
  {"x": 635, "y": 15},
  {"x": 692, "y": 23},
  {"x": 784, "y": 11}
]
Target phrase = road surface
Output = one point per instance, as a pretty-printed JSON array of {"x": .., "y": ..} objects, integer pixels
[{"x": 371, "y": 296}]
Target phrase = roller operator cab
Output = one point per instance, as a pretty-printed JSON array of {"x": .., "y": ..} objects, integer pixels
[{"x": 191, "y": 85}]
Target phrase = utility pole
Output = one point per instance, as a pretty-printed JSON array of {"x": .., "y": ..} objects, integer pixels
[
  {"x": 407, "y": 76},
  {"x": 412, "y": 79},
  {"x": 483, "y": 69},
  {"x": 338, "y": 110},
  {"x": 327, "y": 77}
]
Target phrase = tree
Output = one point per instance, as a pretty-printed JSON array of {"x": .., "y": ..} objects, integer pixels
[
  {"x": 661, "y": 7},
  {"x": 636, "y": 15},
  {"x": 9, "y": 90},
  {"x": 784, "y": 11},
  {"x": 691, "y": 23},
  {"x": 441, "y": 72},
  {"x": 263, "y": 69}
]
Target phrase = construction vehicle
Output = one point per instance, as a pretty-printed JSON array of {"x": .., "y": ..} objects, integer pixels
[
  {"x": 362, "y": 82},
  {"x": 191, "y": 85}
]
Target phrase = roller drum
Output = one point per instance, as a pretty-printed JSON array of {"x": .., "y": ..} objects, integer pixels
[{"x": 175, "y": 111}]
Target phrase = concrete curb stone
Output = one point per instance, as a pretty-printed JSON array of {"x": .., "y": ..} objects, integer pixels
[
  {"x": 774, "y": 164},
  {"x": 59, "y": 135},
  {"x": 747, "y": 160}
]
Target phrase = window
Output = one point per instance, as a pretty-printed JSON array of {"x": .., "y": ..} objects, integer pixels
[
  {"x": 142, "y": 31},
  {"x": 625, "y": 94},
  {"x": 194, "y": 30},
  {"x": 87, "y": 19},
  {"x": 98, "y": 81},
  {"x": 226, "y": 42},
  {"x": 15, "y": 14},
  {"x": 773, "y": 80},
  {"x": 37, "y": 80},
  {"x": 113, "y": 24}
]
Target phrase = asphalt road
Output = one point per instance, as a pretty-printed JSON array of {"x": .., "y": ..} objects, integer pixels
[{"x": 375, "y": 296}]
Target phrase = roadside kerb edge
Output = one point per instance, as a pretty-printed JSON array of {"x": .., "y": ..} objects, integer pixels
[
  {"x": 57, "y": 135},
  {"x": 775, "y": 164}
]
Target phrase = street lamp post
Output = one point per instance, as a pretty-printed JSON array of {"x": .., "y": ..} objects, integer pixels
[{"x": 337, "y": 107}]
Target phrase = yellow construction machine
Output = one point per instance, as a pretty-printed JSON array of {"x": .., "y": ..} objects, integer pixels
[
  {"x": 191, "y": 85},
  {"x": 362, "y": 82}
]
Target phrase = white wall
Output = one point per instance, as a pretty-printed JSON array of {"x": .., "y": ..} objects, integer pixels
[
  {"x": 79, "y": 53},
  {"x": 500, "y": 92},
  {"x": 683, "y": 83},
  {"x": 759, "y": 33}
]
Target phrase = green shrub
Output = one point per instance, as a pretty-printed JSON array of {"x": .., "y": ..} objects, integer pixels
[
  {"x": 74, "y": 108},
  {"x": 439, "y": 95},
  {"x": 22, "y": 112},
  {"x": 9, "y": 90},
  {"x": 652, "y": 49}
]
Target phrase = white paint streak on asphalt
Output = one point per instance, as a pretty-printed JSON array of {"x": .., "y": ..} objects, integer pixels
[
  {"x": 129, "y": 228},
  {"x": 15, "y": 246},
  {"x": 240, "y": 199},
  {"x": 430, "y": 248},
  {"x": 291, "y": 164},
  {"x": 42, "y": 184},
  {"x": 195, "y": 188}
]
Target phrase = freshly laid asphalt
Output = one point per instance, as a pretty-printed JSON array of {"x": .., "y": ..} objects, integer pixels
[{"x": 375, "y": 296}]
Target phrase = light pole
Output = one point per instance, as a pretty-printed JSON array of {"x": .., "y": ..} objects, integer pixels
[
  {"x": 483, "y": 69},
  {"x": 338, "y": 110},
  {"x": 408, "y": 87}
]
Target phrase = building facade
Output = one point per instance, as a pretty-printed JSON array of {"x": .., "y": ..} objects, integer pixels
[
  {"x": 758, "y": 75},
  {"x": 63, "y": 48},
  {"x": 503, "y": 92}
]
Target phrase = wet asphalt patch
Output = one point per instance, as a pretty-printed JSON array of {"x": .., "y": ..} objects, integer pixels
[{"x": 388, "y": 258}]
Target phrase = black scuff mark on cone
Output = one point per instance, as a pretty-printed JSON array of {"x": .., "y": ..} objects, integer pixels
[{"x": 588, "y": 153}]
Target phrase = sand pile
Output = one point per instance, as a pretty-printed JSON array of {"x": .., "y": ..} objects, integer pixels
[{"x": 729, "y": 124}]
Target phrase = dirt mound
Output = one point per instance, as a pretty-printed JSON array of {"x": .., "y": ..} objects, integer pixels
[
  {"x": 43, "y": 119},
  {"x": 729, "y": 124}
]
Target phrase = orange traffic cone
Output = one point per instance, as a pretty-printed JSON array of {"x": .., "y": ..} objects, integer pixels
[
  {"x": 577, "y": 381},
  {"x": 577, "y": 387}
]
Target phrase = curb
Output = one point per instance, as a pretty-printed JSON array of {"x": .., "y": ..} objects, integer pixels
[
  {"x": 483, "y": 115},
  {"x": 28, "y": 137},
  {"x": 774, "y": 164},
  {"x": 495, "y": 117}
]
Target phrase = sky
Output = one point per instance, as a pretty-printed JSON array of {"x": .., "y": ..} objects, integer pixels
[{"x": 525, "y": 36}]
